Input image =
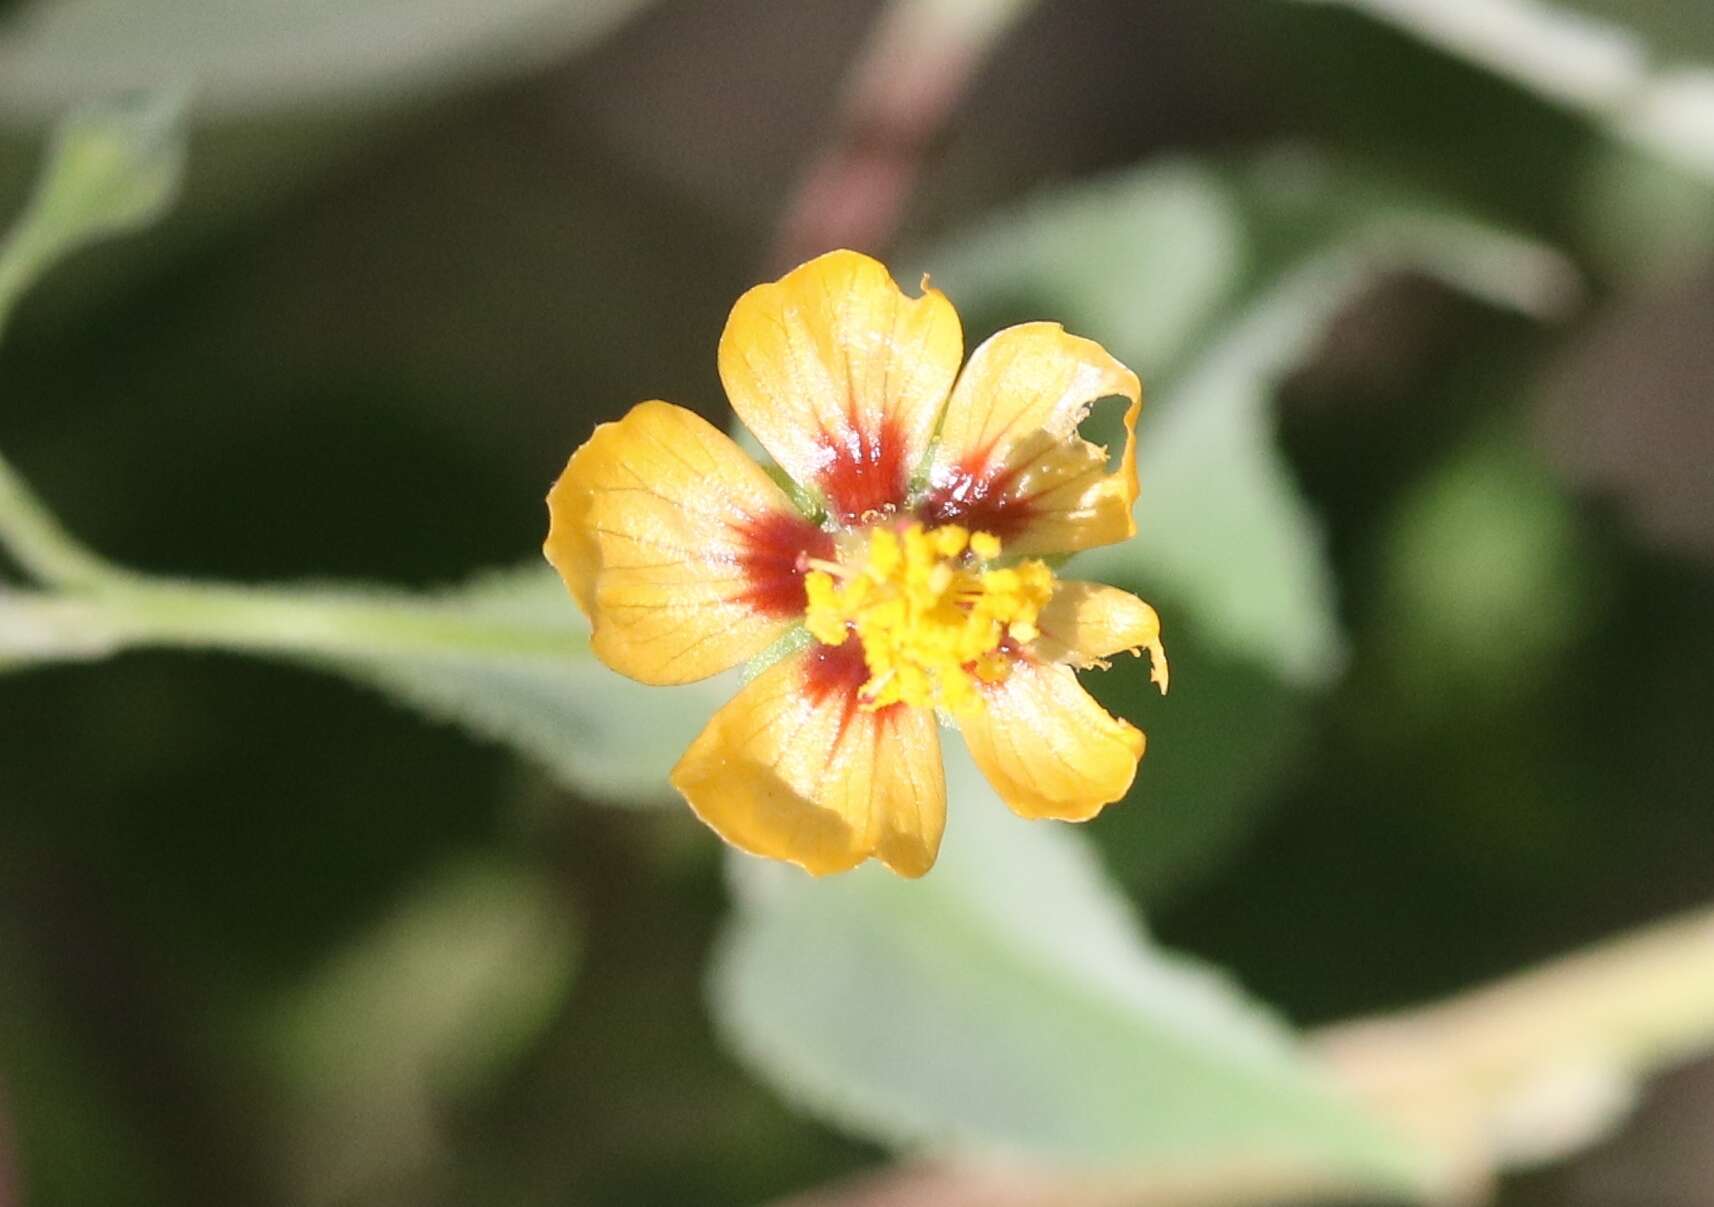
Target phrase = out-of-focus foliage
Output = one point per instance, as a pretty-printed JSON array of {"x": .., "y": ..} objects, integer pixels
[
  {"x": 265, "y": 54},
  {"x": 504, "y": 656},
  {"x": 1009, "y": 1003},
  {"x": 109, "y": 170},
  {"x": 1646, "y": 69},
  {"x": 1483, "y": 579},
  {"x": 1215, "y": 288},
  {"x": 1435, "y": 707},
  {"x": 598, "y": 732},
  {"x": 1215, "y": 285},
  {"x": 457, "y": 983}
]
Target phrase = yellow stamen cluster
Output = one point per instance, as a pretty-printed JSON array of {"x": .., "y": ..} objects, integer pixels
[{"x": 930, "y": 612}]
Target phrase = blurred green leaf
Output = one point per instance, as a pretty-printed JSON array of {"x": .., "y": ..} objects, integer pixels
[
  {"x": 446, "y": 989},
  {"x": 1675, "y": 31},
  {"x": 439, "y": 998},
  {"x": 596, "y": 730},
  {"x": 1220, "y": 746},
  {"x": 1143, "y": 260},
  {"x": 1008, "y": 1001},
  {"x": 246, "y": 55},
  {"x": 1214, "y": 285},
  {"x": 62, "y": 1098},
  {"x": 505, "y": 657},
  {"x": 1149, "y": 263},
  {"x": 1640, "y": 215},
  {"x": 111, "y": 168},
  {"x": 1646, "y": 71},
  {"x": 1486, "y": 581}
]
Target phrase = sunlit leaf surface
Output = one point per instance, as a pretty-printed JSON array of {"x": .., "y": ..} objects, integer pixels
[{"x": 1008, "y": 1001}]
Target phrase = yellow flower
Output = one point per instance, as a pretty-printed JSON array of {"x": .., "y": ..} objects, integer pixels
[{"x": 917, "y": 578}]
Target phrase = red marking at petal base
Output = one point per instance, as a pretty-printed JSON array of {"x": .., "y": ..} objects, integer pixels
[
  {"x": 834, "y": 670},
  {"x": 774, "y": 546},
  {"x": 974, "y": 495},
  {"x": 837, "y": 672},
  {"x": 865, "y": 472}
]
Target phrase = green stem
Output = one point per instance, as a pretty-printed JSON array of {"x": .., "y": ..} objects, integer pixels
[
  {"x": 100, "y": 609},
  {"x": 281, "y": 620},
  {"x": 36, "y": 541},
  {"x": 318, "y": 624}
]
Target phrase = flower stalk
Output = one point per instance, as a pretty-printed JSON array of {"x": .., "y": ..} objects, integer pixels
[{"x": 84, "y": 608}]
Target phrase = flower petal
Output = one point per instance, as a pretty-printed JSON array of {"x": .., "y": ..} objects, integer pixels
[
  {"x": 1084, "y": 623},
  {"x": 681, "y": 550},
  {"x": 793, "y": 769},
  {"x": 1047, "y": 747},
  {"x": 841, "y": 377},
  {"x": 1010, "y": 460}
]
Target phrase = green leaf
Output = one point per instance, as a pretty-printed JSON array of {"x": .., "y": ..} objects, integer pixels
[
  {"x": 111, "y": 168},
  {"x": 248, "y": 55},
  {"x": 1219, "y": 748},
  {"x": 1214, "y": 285},
  {"x": 1642, "y": 216},
  {"x": 1224, "y": 530},
  {"x": 595, "y": 730},
  {"x": 1645, "y": 71},
  {"x": 445, "y": 989},
  {"x": 1485, "y": 582},
  {"x": 1142, "y": 260},
  {"x": 1008, "y": 1001},
  {"x": 436, "y": 1001},
  {"x": 506, "y": 657}
]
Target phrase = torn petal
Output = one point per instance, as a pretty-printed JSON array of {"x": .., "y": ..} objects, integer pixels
[
  {"x": 1086, "y": 623},
  {"x": 1010, "y": 461},
  {"x": 1047, "y": 747}
]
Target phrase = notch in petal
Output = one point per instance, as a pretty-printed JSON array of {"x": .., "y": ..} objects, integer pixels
[
  {"x": 1047, "y": 747},
  {"x": 842, "y": 377},
  {"x": 793, "y": 768},
  {"x": 1010, "y": 461},
  {"x": 1086, "y": 623},
  {"x": 681, "y": 550}
]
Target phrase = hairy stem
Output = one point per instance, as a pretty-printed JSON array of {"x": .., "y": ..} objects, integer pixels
[
  {"x": 1543, "y": 1062},
  {"x": 279, "y": 620}
]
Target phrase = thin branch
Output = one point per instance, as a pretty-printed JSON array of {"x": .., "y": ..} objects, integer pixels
[
  {"x": 903, "y": 88},
  {"x": 1541, "y": 1063},
  {"x": 326, "y": 623}
]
